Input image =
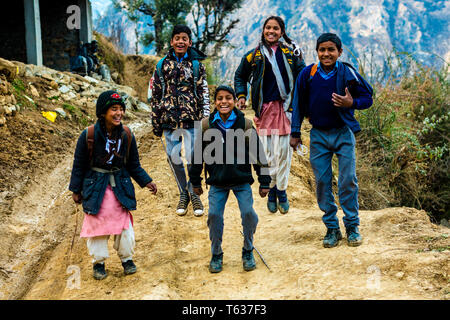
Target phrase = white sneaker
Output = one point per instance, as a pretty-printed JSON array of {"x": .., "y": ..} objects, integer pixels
[
  {"x": 182, "y": 204},
  {"x": 197, "y": 205}
]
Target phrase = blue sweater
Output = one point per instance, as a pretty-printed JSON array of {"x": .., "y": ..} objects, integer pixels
[
  {"x": 322, "y": 113},
  {"x": 345, "y": 77}
]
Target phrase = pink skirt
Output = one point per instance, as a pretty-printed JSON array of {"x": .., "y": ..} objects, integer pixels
[
  {"x": 111, "y": 219},
  {"x": 272, "y": 120}
]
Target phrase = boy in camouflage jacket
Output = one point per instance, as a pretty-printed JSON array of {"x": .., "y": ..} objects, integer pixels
[{"x": 177, "y": 101}]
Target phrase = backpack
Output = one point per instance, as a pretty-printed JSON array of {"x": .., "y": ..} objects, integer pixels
[
  {"x": 90, "y": 142},
  {"x": 196, "y": 71}
]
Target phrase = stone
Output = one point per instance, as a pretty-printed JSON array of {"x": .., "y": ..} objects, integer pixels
[
  {"x": 69, "y": 96},
  {"x": 34, "y": 91},
  {"x": 64, "y": 89},
  {"x": 9, "y": 69},
  {"x": 13, "y": 99},
  {"x": 143, "y": 107},
  {"x": 61, "y": 112},
  {"x": 2, "y": 121},
  {"x": 91, "y": 80}
]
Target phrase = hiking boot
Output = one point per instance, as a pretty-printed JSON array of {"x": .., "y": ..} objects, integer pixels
[
  {"x": 272, "y": 200},
  {"x": 99, "y": 271},
  {"x": 332, "y": 238},
  {"x": 248, "y": 260},
  {"x": 183, "y": 203},
  {"x": 354, "y": 239},
  {"x": 283, "y": 202},
  {"x": 215, "y": 266},
  {"x": 129, "y": 267},
  {"x": 197, "y": 205}
]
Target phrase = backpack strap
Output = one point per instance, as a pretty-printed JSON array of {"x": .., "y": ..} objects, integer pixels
[
  {"x": 160, "y": 74},
  {"x": 127, "y": 131},
  {"x": 196, "y": 72},
  {"x": 248, "y": 124},
  {"x": 90, "y": 142},
  {"x": 313, "y": 71},
  {"x": 205, "y": 124}
]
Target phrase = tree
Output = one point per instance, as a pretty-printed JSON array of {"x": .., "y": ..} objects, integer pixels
[
  {"x": 161, "y": 11},
  {"x": 211, "y": 23}
]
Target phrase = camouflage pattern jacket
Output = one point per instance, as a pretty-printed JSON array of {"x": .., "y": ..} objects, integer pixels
[{"x": 178, "y": 106}]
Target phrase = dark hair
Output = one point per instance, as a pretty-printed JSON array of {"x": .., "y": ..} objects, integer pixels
[
  {"x": 324, "y": 37},
  {"x": 282, "y": 25},
  {"x": 179, "y": 28},
  {"x": 224, "y": 88}
]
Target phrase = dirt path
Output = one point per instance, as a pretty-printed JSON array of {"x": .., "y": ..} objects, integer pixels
[{"x": 402, "y": 256}]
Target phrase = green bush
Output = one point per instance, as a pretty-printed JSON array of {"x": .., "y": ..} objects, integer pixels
[{"x": 403, "y": 149}]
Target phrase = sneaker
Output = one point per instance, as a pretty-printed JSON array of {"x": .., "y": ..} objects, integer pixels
[
  {"x": 354, "y": 239},
  {"x": 332, "y": 238},
  {"x": 99, "y": 271},
  {"x": 197, "y": 205},
  {"x": 272, "y": 200},
  {"x": 283, "y": 202},
  {"x": 129, "y": 267},
  {"x": 248, "y": 260},
  {"x": 183, "y": 203},
  {"x": 215, "y": 266}
]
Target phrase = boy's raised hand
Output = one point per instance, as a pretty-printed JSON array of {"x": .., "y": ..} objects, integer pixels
[
  {"x": 198, "y": 190},
  {"x": 152, "y": 187},
  {"x": 263, "y": 192},
  {"x": 342, "y": 101}
]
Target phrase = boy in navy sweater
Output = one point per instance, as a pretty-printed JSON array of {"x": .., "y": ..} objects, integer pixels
[{"x": 327, "y": 94}]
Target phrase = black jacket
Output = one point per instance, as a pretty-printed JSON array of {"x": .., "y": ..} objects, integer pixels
[
  {"x": 238, "y": 172},
  {"x": 92, "y": 184},
  {"x": 251, "y": 69}
]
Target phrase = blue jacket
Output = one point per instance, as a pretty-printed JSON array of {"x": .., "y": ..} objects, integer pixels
[
  {"x": 347, "y": 76},
  {"x": 92, "y": 184}
]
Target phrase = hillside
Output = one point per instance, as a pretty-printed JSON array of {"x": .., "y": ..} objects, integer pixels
[{"x": 404, "y": 255}]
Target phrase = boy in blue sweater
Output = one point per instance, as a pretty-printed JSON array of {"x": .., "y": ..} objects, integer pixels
[{"x": 327, "y": 94}]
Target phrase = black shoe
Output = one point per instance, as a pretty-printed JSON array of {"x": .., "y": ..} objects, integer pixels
[
  {"x": 248, "y": 261},
  {"x": 216, "y": 262},
  {"x": 354, "y": 239},
  {"x": 183, "y": 203},
  {"x": 197, "y": 205},
  {"x": 129, "y": 267},
  {"x": 99, "y": 271},
  {"x": 332, "y": 238}
]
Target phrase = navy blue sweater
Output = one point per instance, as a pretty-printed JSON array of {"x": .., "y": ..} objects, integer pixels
[
  {"x": 345, "y": 77},
  {"x": 270, "y": 86},
  {"x": 322, "y": 113}
]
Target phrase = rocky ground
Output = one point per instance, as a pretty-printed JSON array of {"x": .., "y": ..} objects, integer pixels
[{"x": 404, "y": 255}]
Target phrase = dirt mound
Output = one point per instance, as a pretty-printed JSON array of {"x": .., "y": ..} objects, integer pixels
[{"x": 404, "y": 256}]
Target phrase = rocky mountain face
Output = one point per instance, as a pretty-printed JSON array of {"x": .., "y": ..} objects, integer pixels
[{"x": 369, "y": 29}]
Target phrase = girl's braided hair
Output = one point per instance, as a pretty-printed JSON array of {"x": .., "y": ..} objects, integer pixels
[{"x": 280, "y": 21}]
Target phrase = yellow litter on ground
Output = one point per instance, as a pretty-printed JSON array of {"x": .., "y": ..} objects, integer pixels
[{"x": 50, "y": 115}]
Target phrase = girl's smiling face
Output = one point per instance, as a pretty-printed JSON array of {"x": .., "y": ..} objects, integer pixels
[
  {"x": 224, "y": 103},
  {"x": 114, "y": 115},
  {"x": 272, "y": 32}
]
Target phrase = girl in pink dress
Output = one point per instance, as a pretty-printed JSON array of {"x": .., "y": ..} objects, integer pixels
[
  {"x": 272, "y": 68},
  {"x": 105, "y": 160}
]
